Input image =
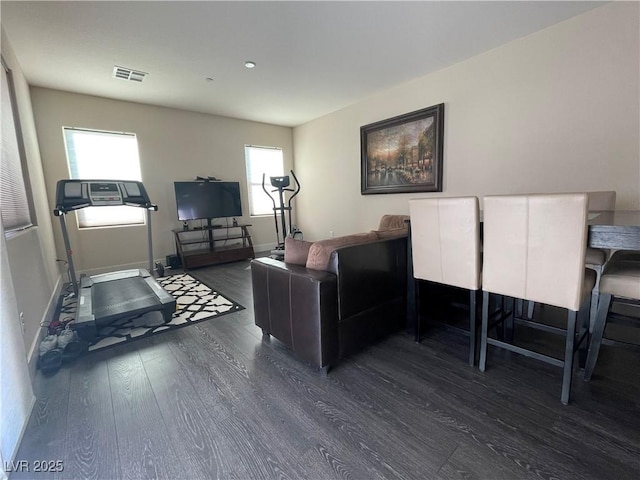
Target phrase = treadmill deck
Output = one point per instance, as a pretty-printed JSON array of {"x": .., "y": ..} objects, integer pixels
[{"x": 104, "y": 299}]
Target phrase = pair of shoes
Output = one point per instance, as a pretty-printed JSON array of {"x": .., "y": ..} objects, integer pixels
[
  {"x": 58, "y": 349},
  {"x": 50, "y": 362},
  {"x": 71, "y": 345},
  {"x": 64, "y": 337},
  {"x": 47, "y": 344}
]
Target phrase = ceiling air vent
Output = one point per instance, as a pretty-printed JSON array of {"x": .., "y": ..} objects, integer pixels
[{"x": 124, "y": 73}]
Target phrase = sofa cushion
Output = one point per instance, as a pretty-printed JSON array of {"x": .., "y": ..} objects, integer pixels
[
  {"x": 389, "y": 222},
  {"x": 296, "y": 251},
  {"x": 320, "y": 252},
  {"x": 391, "y": 233}
]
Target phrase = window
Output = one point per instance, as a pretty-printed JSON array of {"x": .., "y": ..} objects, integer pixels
[
  {"x": 267, "y": 161},
  {"x": 14, "y": 200},
  {"x": 95, "y": 155}
]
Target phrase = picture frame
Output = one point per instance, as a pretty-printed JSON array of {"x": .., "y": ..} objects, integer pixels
[{"x": 403, "y": 154}]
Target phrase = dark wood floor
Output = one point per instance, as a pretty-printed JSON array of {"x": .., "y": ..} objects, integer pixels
[{"x": 216, "y": 401}]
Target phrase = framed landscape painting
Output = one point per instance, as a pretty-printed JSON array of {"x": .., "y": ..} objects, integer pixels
[{"x": 403, "y": 154}]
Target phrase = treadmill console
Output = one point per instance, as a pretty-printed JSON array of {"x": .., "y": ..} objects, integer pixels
[
  {"x": 77, "y": 194},
  {"x": 104, "y": 194}
]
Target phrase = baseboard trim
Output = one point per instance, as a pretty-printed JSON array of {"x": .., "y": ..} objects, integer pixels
[
  {"x": 265, "y": 247},
  {"x": 117, "y": 268},
  {"x": 32, "y": 357}
]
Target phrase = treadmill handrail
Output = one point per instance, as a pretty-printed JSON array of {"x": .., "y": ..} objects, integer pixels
[{"x": 61, "y": 210}]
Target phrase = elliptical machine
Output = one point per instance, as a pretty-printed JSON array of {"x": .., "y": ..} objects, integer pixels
[{"x": 280, "y": 185}]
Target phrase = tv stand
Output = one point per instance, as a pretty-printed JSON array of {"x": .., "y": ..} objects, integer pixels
[{"x": 200, "y": 247}]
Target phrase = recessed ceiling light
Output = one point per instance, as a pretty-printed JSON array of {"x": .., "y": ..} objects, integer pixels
[{"x": 249, "y": 64}]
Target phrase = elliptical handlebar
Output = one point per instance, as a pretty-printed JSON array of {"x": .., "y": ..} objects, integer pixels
[
  {"x": 275, "y": 217},
  {"x": 267, "y": 191},
  {"x": 297, "y": 190}
]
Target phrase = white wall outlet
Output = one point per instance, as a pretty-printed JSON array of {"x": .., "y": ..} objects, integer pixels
[{"x": 330, "y": 233}]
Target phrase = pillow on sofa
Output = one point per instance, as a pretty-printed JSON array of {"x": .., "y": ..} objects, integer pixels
[
  {"x": 391, "y": 233},
  {"x": 296, "y": 251},
  {"x": 390, "y": 222},
  {"x": 320, "y": 252}
]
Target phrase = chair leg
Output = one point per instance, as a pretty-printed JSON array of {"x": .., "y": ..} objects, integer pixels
[
  {"x": 583, "y": 333},
  {"x": 568, "y": 357},
  {"x": 472, "y": 327},
  {"x": 519, "y": 307},
  {"x": 501, "y": 326},
  {"x": 508, "y": 323},
  {"x": 530, "y": 306},
  {"x": 417, "y": 304},
  {"x": 485, "y": 326},
  {"x": 596, "y": 337},
  {"x": 595, "y": 295}
]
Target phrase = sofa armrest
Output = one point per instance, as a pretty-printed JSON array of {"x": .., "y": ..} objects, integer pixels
[{"x": 297, "y": 306}]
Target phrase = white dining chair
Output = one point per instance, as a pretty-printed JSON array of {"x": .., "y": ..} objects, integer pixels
[
  {"x": 445, "y": 242},
  {"x": 595, "y": 258},
  {"x": 534, "y": 249},
  {"x": 620, "y": 280}
]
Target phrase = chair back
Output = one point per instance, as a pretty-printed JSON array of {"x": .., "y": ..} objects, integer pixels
[
  {"x": 445, "y": 240},
  {"x": 599, "y": 201},
  {"x": 534, "y": 247}
]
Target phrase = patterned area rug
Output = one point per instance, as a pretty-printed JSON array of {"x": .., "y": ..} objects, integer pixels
[{"x": 196, "y": 302}]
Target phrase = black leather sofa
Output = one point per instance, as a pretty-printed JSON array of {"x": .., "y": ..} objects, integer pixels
[{"x": 323, "y": 316}]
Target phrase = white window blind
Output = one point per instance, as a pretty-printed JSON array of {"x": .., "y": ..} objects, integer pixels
[
  {"x": 101, "y": 155},
  {"x": 14, "y": 201},
  {"x": 262, "y": 160}
]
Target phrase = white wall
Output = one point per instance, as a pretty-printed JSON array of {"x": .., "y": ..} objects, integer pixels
[
  {"x": 555, "y": 111},
  {"x": 29, "y": 284},
  {"x": 16, "y": 393},
  {"x": 174, "y": 145},
  {"x": 32, "y": 255}
]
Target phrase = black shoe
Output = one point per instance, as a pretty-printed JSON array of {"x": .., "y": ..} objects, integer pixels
[
  {"x": 51, "y": 361},
  {"x": 73, "y": 350}
]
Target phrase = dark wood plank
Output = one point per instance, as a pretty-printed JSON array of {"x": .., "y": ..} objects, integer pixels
[
  {"x": 91, "y": 451},
  {"x": 144, "y": 448},
  {"x": 232, "y": 280},
  {"x": 44, "y": 436},
  {"x": 467, "y": 410},
  {"x": 197, "y": 438},
  {"x": 375, "y": 437},
  {"x": 480, "y": 462},
  {"x": 267, "y": 435},
  {"x": 152, "y": 347}
]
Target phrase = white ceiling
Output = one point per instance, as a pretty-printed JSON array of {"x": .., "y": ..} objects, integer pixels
[{"x": 312, "y": 57}]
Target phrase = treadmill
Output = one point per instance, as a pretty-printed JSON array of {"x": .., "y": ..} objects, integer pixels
[{"x": 110, "y": 297}]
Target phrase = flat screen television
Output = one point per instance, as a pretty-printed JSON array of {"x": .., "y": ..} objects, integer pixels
[{"x": 201, "y": 200}]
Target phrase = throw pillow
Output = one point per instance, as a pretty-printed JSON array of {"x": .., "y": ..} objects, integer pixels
[
  {"x": 391, "y": 233},
  {"x": 296, "y": 251},
  {"x": 320, "y": 252},
  {"x": 388, "y": 222}
]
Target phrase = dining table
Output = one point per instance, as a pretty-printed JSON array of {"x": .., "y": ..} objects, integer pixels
[{"x": 614, "y": 229}]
